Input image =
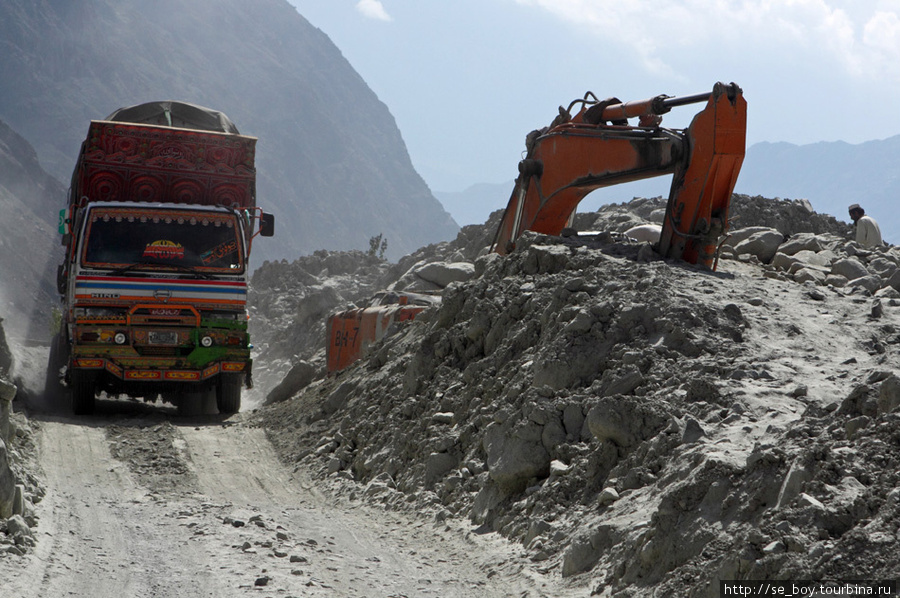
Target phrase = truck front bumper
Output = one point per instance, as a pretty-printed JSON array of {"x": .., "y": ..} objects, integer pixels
[{"x": 161, "y": 370}]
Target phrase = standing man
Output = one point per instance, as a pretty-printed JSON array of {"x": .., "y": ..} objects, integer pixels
[{"x": 867, "y": 232}]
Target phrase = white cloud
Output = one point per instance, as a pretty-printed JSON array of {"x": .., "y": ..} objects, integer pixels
[
  {"x": 861, "y": 38},
  {"x": 881, "y": 35},
  {"x": 373, "y": 9}
]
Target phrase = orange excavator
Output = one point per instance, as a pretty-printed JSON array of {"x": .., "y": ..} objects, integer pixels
[
  {"x": 594, "y": 148},
  {"x": 351, "y": 332}
]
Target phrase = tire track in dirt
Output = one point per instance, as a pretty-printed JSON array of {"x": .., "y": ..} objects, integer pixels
[
  {"x": 100, "y": 535},
  {"x": 339, "y": 549}
]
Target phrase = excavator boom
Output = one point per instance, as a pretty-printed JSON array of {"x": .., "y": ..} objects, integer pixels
[{"x": 596, "y": 147}]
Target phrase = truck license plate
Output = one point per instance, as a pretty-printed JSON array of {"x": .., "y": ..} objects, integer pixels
[{"x": 163, "y": 338}]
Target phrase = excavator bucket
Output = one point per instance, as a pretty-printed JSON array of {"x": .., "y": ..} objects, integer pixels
[{"x": 697, "y": 211}]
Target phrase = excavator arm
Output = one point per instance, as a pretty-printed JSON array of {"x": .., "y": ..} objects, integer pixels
[{"x": 598, "y": 148}]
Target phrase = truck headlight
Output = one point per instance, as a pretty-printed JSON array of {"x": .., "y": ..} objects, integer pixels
[
  {"x": 206, "y": 341},
  {"x": 120, "y": 338}
]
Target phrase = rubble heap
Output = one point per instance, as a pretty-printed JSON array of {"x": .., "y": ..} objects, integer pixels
[{"x": 641, "y": 426}]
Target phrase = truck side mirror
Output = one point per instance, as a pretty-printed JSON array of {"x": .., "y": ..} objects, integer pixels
[{"x": 267, "y": 225}]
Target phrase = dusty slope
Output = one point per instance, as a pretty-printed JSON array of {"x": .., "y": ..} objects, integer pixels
[
  {"x": 30, "y": 200},
  {"x": 290, "y": 302},
  {"x": 641, "y": 427}
]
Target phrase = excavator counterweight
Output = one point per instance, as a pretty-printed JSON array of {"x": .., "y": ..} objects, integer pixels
[{"x": 596, "y": 147}]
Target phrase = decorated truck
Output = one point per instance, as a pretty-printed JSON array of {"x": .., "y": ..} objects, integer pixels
[{"x": 158, "y": 229}]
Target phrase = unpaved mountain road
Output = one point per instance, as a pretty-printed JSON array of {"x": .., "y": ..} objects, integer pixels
[{"x": 146, "y": 504}]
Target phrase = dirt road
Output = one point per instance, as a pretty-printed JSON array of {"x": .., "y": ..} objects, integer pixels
[{"x": 146, "y": 504}]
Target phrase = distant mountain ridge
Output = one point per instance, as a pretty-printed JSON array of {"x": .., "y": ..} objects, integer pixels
[
  {"x": 474, "y": 204},
  {"x": 831, "y": 175},
  {"x": 331, "y": 162}
]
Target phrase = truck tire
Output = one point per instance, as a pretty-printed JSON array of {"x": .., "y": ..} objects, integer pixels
[
  {"x": 83, "y": 390},
  {"x": 228, "y": 393}
]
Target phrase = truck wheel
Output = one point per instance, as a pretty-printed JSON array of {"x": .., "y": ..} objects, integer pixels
[
  {"x": 228, "y": 394},
  {"x": 83, "y": 385}
]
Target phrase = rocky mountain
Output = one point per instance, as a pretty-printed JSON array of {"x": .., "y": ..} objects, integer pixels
[
  {"x": 331, "y": 162},
  {"x": 29, "y": 244},
  {"x": 474, "y": 204}
]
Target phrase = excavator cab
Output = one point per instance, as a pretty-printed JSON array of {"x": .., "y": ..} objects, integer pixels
[{"x": 597, "y": 147}]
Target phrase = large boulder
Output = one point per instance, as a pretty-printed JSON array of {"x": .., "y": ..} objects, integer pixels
[
  {"x": 889, "y": 394},
  {"x": 442, "y": 273},
  {"x": 736, "y": 236},
  {"x": 297, "y": 378},
  {"x": 894, "y": 280},
  {"x": 7, "y": 394},
  {"x": 625, "y": 421},
  {"x": 871, "y": 282},
  {"x": 801, "y": 242},
  {"x": 6, "y": 358},
  {"x": 515, "y": 456},
  {"x": 763, "y": 244},
  {"x": 850, "y": 268},
  {"x": 812, "y": 275}
]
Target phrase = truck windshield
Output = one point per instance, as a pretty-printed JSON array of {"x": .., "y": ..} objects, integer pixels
[{"x": 149, "y": 239}]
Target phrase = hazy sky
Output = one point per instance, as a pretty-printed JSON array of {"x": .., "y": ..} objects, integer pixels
[{"x": 466, "y": 80}]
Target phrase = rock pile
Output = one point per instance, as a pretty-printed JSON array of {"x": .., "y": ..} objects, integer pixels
[
  {"x": 644, "y": 427},
  {"x": 290, "y": 302},
  {"x": 824, "y": 260}
]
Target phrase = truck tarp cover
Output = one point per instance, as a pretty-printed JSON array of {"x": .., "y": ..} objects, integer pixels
[{"x": 175, "y": 114}]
